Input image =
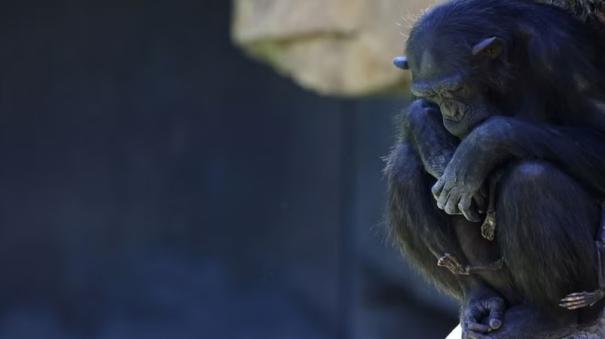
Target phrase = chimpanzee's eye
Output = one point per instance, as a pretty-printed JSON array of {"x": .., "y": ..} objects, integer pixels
[
  {"x": 424, "y": 93},
  {"x": 459, "y": 91},
  {"x": 430, "y": 95}
]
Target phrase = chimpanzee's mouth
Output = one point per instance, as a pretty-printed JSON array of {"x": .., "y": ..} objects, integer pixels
[
  {"x": 453, "y": 111},
  {"x": 457, "y": 115}
]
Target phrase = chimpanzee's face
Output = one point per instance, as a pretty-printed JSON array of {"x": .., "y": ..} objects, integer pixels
[
  {"x": 450, "y": 77},
  {"x": 462, "y": 101}
]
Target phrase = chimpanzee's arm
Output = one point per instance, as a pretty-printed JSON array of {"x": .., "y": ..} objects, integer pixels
[
  {"x": 423, "y": 126},
  {"x": 578, "y": 151}
]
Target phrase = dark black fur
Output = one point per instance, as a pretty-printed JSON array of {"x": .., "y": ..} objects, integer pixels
[{"x": 548, "y": 141}]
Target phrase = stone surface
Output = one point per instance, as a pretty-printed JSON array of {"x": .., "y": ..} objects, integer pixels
[{"x": 335, "y": 47}]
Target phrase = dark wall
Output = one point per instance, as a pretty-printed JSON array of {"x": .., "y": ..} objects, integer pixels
[{"x": 155, "y": 183}]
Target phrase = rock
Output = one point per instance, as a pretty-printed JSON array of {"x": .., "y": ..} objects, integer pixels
[{"x": 335, "y": 47}]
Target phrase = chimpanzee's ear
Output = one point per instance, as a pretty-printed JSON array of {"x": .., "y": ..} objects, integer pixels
[
  {"x": 401, "y": 62},
  {"x": 490, "y": 47}
]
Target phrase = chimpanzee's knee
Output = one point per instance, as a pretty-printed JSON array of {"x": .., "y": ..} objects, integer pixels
[
  {"x": 530, "y": 173},
  {"x": 541, "y": 184},
  {"x": 546, "y": 224}
]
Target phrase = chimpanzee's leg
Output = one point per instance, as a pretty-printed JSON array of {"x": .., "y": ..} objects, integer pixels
[
  {"x": 546, "y": 225},
  {"x": 420, "y": 228},
  {"x": 425, "y": 234}
]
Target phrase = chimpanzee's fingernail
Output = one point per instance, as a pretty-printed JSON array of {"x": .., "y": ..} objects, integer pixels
[{"x": 495, "y": 324}]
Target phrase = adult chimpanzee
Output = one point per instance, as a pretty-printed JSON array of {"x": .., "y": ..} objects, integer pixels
[{"x": 511, "y": 93}]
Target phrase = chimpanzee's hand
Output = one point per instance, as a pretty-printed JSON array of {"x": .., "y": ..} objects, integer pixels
[
  {"x": 481, "y": 317},
  {"x": 476, "y": 156},
  {"x": 458, "y": 191}
]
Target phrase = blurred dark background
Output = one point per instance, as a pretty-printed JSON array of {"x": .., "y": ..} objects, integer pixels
[{"x": 156, "y": 183}]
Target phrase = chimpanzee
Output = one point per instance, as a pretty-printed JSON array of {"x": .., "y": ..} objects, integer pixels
[{"x": 509, "y": 123}]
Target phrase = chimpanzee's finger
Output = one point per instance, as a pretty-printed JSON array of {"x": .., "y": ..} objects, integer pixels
[
  {"x": 465, "y": 207},
  {"x": 496, "y": 313},
  {"x": 478, "y": 327},
  {"x": 480, "y": 203},
  {"x": 471, "y": 316},
  {"x": 451, "y": 206},
  {"x": 575, "y": 306},
  {"x": 473, "y": 312},
  {"x": 443, "y": 199},
  {"x": 475, "y": 335},
  {"x": 576, "y": 300},
  {"x": 437, "y": 188},
  {"x": 574, "y": 297}
]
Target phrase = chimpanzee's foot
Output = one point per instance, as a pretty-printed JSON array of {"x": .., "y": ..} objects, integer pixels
[
  {"x": 526, "y": 322},
  {"x": 482, "y": 316}
]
